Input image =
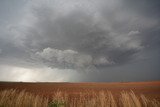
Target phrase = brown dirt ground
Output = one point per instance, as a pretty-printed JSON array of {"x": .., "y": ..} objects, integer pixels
[{"x": 149, "y": 89}]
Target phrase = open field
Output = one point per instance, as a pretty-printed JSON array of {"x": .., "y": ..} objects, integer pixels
[
  {"x": 149, "y": 89},
  {"x": 138, "y": 94}
]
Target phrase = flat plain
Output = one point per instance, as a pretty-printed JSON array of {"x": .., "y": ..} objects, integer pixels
[{"x": 150, "y": 89}]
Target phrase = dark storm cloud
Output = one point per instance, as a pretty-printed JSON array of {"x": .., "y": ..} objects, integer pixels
[
  {"x": 84, "y": 35},
  {"x": 84, "y": 30},
  {"x": 145, "y": 7}
]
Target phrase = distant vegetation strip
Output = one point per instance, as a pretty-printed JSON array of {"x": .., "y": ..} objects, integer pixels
[{"x": 16, "y": 98}]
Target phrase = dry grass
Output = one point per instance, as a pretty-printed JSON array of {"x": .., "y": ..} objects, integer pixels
[{"x": 15, "y": 98}]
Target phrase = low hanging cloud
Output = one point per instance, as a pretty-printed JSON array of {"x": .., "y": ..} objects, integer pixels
[
  {"x": 69, "y": 59},
  {"x": 64, "y": 58}
]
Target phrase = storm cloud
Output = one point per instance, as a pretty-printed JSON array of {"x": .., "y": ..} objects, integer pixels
[{"x": 90, "y": 40}]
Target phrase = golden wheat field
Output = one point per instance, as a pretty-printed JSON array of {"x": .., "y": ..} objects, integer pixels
[{"x": 140, "y": 94}]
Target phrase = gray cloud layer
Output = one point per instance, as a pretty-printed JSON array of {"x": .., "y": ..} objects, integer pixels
[{"x": 113, "y": 37}]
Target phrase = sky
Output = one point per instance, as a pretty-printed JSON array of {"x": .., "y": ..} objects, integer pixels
[{"x": 79, "y": 40}]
